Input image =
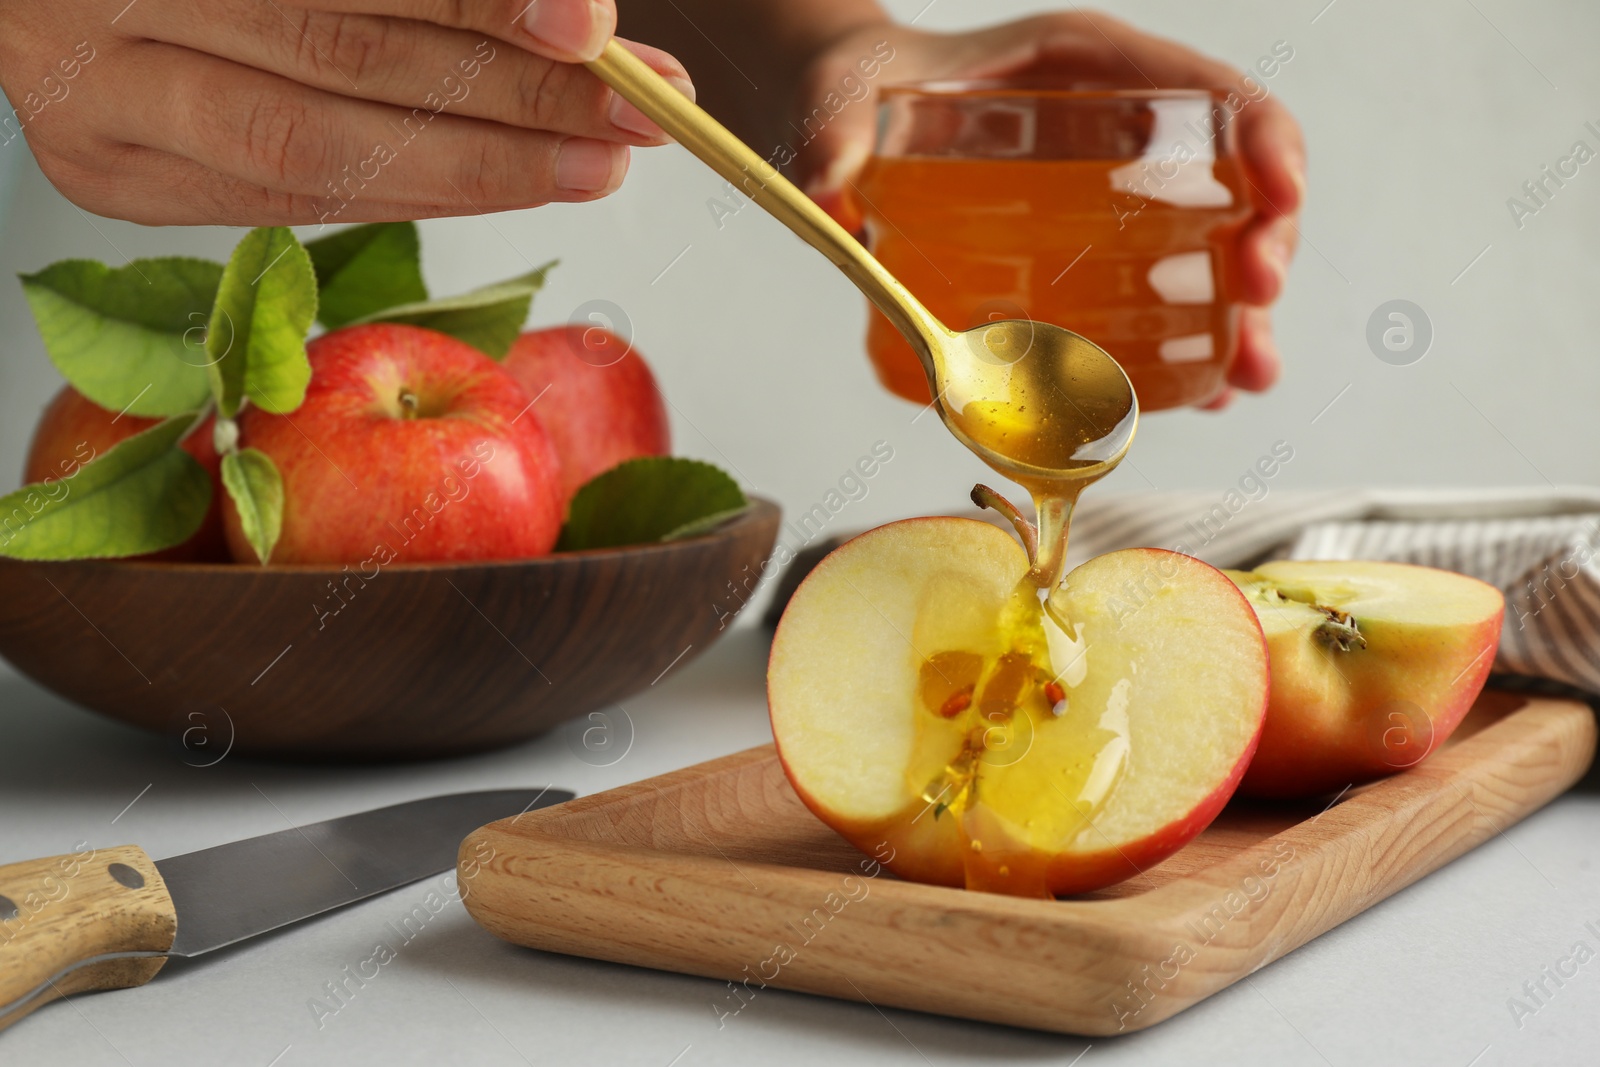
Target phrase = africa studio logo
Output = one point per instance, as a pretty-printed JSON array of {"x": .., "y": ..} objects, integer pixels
[{"x": 1399, "y": 332}]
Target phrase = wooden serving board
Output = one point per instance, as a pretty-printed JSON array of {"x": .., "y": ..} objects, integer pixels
[{"x": 719, "y": 870}]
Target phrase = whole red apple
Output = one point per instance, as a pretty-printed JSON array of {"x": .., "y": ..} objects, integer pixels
[
  {"x": 410, "y": 445},
  {"x": 596, "y": 397},
  {"x": 75, "y": 430}
]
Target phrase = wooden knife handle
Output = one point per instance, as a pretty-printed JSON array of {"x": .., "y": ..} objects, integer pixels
[{"x": 93, "y": 919}]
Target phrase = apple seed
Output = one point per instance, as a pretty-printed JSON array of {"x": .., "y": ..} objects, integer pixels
[{"x": 958, "y": 703}]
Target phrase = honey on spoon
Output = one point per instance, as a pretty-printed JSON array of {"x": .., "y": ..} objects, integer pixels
[{"x": 1042, "y": 406}]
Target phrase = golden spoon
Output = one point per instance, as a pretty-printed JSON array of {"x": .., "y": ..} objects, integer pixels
[{"x": 1043, "y": 406}]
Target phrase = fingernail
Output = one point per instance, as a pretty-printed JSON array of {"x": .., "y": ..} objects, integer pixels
[
  {"x": 624, "y": 116},
  {"x": 1277, "y": 255},
  {"x": 1259, "y": 360},
  {"x": 584, "y": 166},
  {"x": 569, "y": 26}
]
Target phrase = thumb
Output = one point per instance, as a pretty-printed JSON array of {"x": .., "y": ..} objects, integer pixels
[
  {"x": 836, "y": 124},
  {"x": 840, "y": 158},
  {"x": 571, "y": 31}
]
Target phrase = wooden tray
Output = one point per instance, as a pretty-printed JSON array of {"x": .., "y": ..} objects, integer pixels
[{"x": 719, "y": 870}]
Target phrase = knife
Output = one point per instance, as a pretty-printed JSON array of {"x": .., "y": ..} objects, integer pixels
[{"x": 110, "y": 918}]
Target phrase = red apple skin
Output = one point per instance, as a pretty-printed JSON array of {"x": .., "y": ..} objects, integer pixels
[
  {"x": 598, "y": 413},
  {"x": 1298, "y": 759},
  {"x": 909, "y": 850},
  {"x": 75, "y": 430},
  {"x": 471, "y": 475}
]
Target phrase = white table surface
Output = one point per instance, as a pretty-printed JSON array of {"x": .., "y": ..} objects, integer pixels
[{"x": 1421, "y": 979}]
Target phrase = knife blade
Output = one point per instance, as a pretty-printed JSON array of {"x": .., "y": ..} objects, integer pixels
[{"x": 110, "y": 918}]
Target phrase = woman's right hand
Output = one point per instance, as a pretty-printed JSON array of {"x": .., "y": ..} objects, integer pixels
[{"x": 278, "y": 112}]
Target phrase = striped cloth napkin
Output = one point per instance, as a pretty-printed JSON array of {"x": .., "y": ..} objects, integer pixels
[{"x": 1540, "y": 547}]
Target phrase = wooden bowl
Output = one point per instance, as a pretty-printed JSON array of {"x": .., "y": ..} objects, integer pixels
[{"x": 416, "y": 660}]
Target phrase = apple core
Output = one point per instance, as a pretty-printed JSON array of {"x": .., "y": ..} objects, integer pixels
[{"x": 997, "y": 730}]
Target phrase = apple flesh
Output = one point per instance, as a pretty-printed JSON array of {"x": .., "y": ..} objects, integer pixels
[
  {"x": 410, "y": 446},
  {"x": 1374, "y": 664},
  {"x": 929, "y": 710},
  {"x": 596, "y": 397},
  {"x": 74, "y": 430}
]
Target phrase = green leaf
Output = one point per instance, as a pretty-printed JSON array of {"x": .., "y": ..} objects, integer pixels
[
  {"x": 257, "y": 335},
  {"x": 128, "y": 339},
  {"x": 659, "y": 498},
  {"x": 365, "y": 269},
  {"x": 255, "y": 485},
  {"x": 143, "y": 495},
  {"x": 488, "y": 319}
]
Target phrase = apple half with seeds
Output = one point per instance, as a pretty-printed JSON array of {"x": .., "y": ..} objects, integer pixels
[
  {"x": 1374, "y": 664},
  {"x": 939, "y": 713}
]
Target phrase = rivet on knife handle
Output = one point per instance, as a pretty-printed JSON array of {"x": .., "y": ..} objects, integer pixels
[{"x": 98, "y": 919}]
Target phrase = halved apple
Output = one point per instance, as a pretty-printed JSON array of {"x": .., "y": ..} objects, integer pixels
[
  {"x": 1373, "y": 666},
  {"x": 932, "y": 710}
]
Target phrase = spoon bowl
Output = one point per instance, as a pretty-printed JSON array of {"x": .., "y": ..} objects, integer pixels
[{"x": 1038, "y": 403}]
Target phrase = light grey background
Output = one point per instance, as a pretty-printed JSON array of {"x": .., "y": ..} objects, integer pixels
[{"x": 1422, "y": 119}]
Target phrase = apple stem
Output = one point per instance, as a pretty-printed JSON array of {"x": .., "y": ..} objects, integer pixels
[
  {"x": 1340, "y": 630},
  {"x": 985, "y": 497},
  {"x": 408, "y": 404}
]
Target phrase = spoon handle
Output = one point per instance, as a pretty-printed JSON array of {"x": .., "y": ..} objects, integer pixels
[{"x": 724, "y": 153}]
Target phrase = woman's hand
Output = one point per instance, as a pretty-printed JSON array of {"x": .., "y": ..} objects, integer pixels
[
  {"x": 255, "y": 112},
  {"x": 1083, "y": 47}
]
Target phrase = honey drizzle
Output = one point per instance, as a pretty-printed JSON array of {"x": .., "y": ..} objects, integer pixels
[{"x": 1003, "y": 718}]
